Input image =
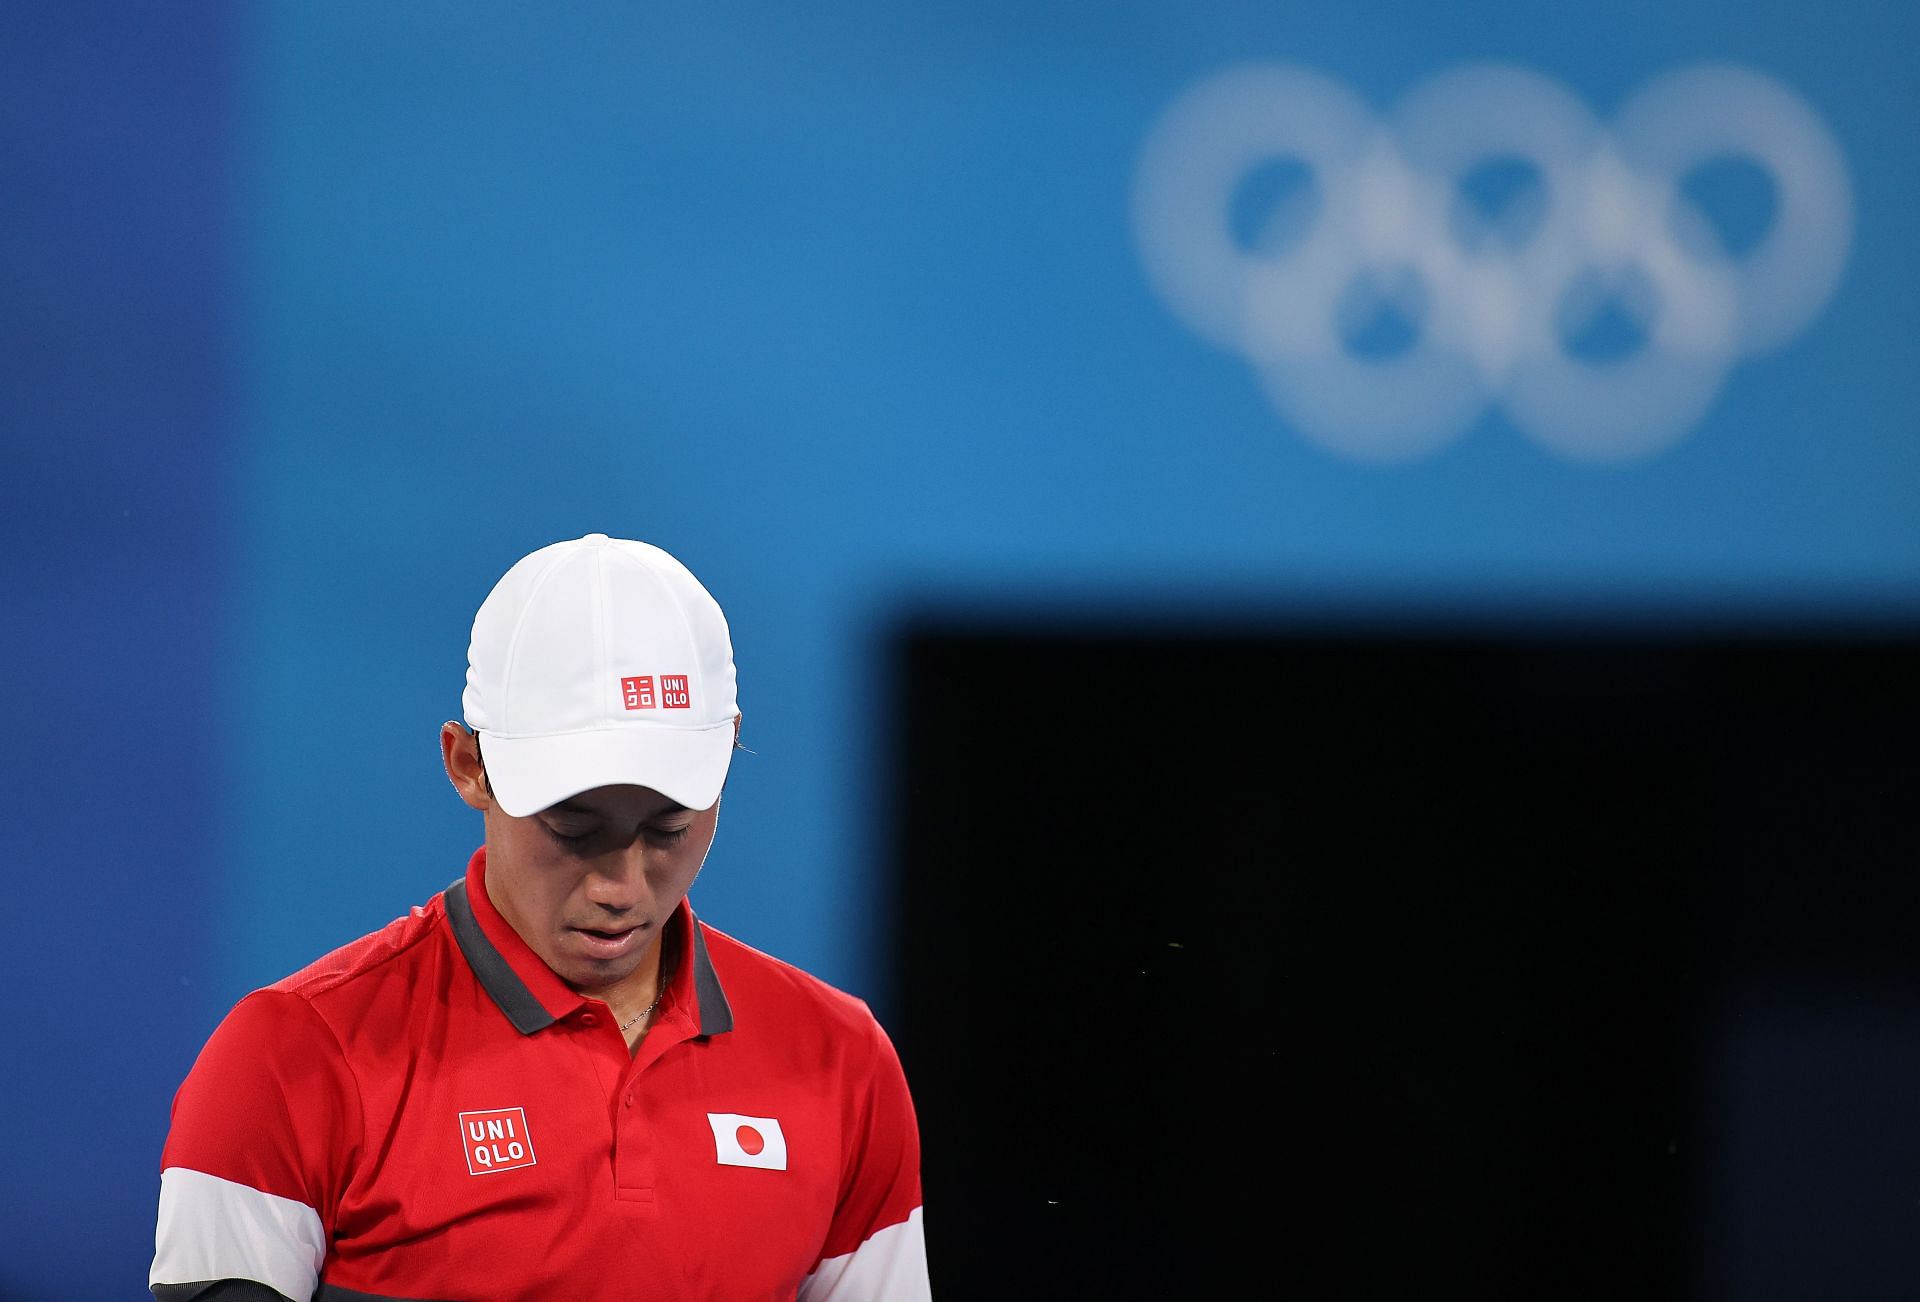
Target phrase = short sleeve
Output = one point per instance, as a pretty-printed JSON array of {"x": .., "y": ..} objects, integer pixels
[
  {"x": 263, "y": 1132},
  {"x": 876, "y": 1248}
]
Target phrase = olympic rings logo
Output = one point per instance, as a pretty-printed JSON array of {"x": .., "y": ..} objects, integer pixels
[{"x": 1486, "y": 305}]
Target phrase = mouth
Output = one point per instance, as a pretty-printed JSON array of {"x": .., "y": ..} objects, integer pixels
[{"x": 610, "y": 942}]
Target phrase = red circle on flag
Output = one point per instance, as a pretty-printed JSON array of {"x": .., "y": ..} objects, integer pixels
[{"x": 749, "y": 1140}]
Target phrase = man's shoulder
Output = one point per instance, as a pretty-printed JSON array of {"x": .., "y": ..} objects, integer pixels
[
  {"x": 376, "y": 954},
  {"x": 755, "y": 978}
]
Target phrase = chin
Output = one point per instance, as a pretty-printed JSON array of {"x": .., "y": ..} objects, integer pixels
[{"x": 585, "y": 973}]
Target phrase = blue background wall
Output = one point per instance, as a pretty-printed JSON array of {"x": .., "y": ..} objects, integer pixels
[{"x": 315, "y": 317}]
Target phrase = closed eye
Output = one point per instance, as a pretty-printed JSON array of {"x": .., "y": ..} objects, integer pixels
[{"x": 665, "y": 837}]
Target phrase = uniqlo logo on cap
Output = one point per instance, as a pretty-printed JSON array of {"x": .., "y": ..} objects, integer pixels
[
  {"x": 748, "y": 1141},
  {"x": 496, "y": 1140},
  {"x": 637, "y": 693},
  {"x": 673, "y": 692}
]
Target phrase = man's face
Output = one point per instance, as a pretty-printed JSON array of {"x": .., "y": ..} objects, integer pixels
[{"x": 590, "y": 882}]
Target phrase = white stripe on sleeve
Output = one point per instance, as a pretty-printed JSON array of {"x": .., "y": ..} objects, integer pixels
[
  {"x": 890, "y": 1265},
  {"x": 211, "y": 1228}
]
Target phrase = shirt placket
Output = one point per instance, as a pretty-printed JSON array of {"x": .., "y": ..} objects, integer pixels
[{"x": 635, "y": 1135}]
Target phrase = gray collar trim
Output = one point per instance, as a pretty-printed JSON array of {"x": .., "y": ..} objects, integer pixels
[
  {"x": 716, "y": 1014},
  {"x": 497, "y": 976}
]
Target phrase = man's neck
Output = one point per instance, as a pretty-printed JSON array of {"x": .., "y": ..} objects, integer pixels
[{"x": 635, "y": 999}]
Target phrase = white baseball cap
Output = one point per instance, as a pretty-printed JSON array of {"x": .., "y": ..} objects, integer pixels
[{"x": 595, "y": 662}]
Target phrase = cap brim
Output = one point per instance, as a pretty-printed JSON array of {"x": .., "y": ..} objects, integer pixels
[{"x": 686, "y": 765}]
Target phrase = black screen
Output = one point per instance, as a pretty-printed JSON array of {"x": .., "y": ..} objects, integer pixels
[{"x": 1331, "y": 963}]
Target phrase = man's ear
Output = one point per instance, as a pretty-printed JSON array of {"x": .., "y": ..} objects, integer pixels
[{"x": 460, "y": 752}]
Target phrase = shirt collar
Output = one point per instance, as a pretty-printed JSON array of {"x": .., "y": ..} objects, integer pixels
[{"x": 528, "y": 991}]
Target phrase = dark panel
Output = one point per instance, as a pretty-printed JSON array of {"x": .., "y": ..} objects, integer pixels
[
  {"x": 113, "y": 385},
  {"x": 1371, "y": 963}
]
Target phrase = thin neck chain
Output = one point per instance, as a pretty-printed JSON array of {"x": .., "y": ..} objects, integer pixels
[
  {"x": 660, "y": 975},
  {"x": 624, "y": 1026}
]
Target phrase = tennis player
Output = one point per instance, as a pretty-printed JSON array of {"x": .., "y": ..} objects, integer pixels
[{"x": 552, "y": 1080}]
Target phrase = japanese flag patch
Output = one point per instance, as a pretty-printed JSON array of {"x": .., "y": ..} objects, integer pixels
[{"x": 748, "y": 1141}]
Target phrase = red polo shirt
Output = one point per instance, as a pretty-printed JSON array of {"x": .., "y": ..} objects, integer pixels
[{"x": 430, "y": 1112}]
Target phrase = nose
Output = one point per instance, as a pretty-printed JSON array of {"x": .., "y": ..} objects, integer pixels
[{"x": 617, "y": 881}]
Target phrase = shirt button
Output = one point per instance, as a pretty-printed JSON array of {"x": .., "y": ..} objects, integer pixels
[
  {"x": 629, "y": 1100},
  {"x": 588, "y": 1019}
]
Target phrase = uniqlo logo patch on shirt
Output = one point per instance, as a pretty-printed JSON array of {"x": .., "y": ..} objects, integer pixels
[
  {"x": 673, "y": 692},
  {"x": 496, "y": 1140},
  {"x": 748, "y": 1141},
  {"x": 637, "y": 693}
]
